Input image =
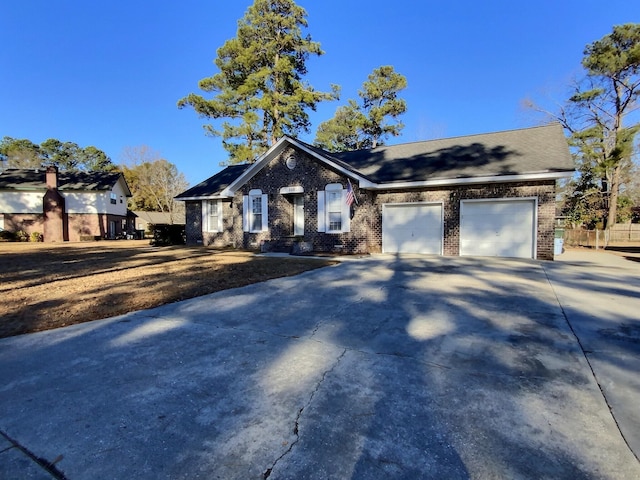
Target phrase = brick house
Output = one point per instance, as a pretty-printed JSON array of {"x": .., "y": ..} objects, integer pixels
[
  {"x": 483, "y": 195},
  {"x": 64, "y": 206}
]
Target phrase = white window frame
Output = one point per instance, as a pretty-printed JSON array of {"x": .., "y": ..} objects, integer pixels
[
  {"x": 248, "y": 218},
  {"x": 212, "y": 216},
  {"x": 324, "y": 212}
]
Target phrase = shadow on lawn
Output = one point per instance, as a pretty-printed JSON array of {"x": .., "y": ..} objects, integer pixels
[
  {"x": 179, "y": 273},
  {"x": 42, "y": 265}
]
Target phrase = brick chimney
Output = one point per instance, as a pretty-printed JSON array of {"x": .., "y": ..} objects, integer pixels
[
  {"x": 52, "y": 178},
  {"x": 53, "y": 209}
]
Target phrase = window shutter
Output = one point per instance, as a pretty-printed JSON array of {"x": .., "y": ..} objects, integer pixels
[
  {"x": 204, "y": 224},
  {"x": 346, "y": 213},
  {"x": 265, "y": 213},
  {"x": 245, "y": 213},
  {"x": 220, "y": 210},
  {"x": 321, "y": 212}
]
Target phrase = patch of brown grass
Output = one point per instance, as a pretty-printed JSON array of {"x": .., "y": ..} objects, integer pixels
[{"x": 44, "y": 286}]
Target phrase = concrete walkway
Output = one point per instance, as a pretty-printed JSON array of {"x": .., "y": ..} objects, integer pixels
[{"x": 383, "y": 367}]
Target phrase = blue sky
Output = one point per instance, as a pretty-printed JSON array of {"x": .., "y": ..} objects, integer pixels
[{"x": 109, "y": 73}]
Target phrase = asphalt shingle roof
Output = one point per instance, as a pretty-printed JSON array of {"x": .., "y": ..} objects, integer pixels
[
  {"x": 214, "y": 185},
  {"x": 532, "y": 150},
  {"x": 30, "y": 179},
  {"x": 513, "y": 152}
]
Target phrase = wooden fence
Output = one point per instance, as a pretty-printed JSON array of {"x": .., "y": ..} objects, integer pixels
[{"x": 619, "y": 234}]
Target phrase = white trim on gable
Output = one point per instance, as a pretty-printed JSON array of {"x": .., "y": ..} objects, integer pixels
[{"x": 274, "y": 151}]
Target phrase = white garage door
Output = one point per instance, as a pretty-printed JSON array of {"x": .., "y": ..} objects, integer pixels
[
  {"x": 498, "y": 228},
  {"x": 412, "y": 228}
]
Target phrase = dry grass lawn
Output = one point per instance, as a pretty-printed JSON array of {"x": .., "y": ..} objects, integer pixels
[{"x": 44, "y": 286}]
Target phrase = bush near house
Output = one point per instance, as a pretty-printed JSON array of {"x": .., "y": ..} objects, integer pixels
[
  {"x": 7, "y": 236},
  {"x": 168, "y": 235}
]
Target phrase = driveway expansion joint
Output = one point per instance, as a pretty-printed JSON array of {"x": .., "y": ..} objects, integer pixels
[
  {"x": 296, "y": 432},
  {"x": 585, "y": 354}
]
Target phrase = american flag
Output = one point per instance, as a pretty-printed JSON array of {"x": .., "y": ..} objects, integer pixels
[{"x": 350, "y": 195}]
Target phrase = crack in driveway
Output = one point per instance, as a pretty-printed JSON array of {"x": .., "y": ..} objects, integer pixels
[
  {"x": 268, "y": 471},
  {"x": 48, "y": 466}
]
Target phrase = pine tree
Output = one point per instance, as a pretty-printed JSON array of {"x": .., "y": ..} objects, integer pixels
[
  {"x": 600, "y": 106},
  {"x": 259, "y": 91}
]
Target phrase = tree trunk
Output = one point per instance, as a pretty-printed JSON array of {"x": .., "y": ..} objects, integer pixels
[{"x": 613, "y": 197}]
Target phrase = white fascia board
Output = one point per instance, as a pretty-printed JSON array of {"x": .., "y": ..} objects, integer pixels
[
  {"x": 470, "y": 180},
  {"x": 275, "y": 150},
  {"x": 267, "y": 156},
  {"x": 208, "y": 197},
  {"x": 348, "y": 173}
]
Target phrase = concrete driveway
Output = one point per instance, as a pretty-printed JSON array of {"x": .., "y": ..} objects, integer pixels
[{"x": 380, "y": 367}]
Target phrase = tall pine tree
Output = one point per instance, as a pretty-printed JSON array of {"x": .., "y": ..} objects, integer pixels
[
  {"x": 598, "y": 114},
  {"x": 259, "y": 92}
]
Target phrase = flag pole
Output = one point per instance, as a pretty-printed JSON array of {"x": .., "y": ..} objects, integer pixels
[{"x": 354, "y": 192}]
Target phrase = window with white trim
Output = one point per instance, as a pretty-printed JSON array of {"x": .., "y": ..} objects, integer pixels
[
  {"x": 254, "y": 212},
  {"x": 212, "y": 215},
  {"x": 333, "y": 211}
]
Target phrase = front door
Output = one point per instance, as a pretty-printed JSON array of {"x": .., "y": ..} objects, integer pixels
[
  {"x": 112, "y": 229},
  {"x": 298, "y": 215}
]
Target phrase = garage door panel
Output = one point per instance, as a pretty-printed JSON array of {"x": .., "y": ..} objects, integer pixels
[
  {"x": 503, "y": 228},
  {"x": 413, "y": 228}
]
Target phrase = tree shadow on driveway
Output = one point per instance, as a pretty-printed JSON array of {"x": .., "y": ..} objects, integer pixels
[{"x": 405, "y": 367}]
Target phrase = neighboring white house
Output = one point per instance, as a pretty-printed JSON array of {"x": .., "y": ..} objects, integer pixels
[{"x": 68, "y": 206}]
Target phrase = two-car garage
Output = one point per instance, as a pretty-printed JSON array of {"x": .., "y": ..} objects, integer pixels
[{"x": 496, "y": 227}]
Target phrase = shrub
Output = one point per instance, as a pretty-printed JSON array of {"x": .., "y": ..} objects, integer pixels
[
  {"x": 168, "y": 235},
  {"x": 7, "y": 236},
  {"x": 22, "y": 236},
  {"x": 36, "y": 237}
]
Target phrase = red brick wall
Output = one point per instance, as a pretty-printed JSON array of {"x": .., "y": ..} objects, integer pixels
[
  {"x": 84, "y": 226},
  {"x": 452, "y": 196},
  {"x": 27, "y": 222}
]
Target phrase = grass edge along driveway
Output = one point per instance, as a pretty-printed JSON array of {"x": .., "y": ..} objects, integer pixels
[{"x": 45, "y": 286}]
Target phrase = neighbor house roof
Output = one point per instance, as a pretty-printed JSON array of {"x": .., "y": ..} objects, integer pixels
[
  {"x": 161, "y": 218},
  {"x": 525, "y": 154},
  {"x": 35, "y": 179}
]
